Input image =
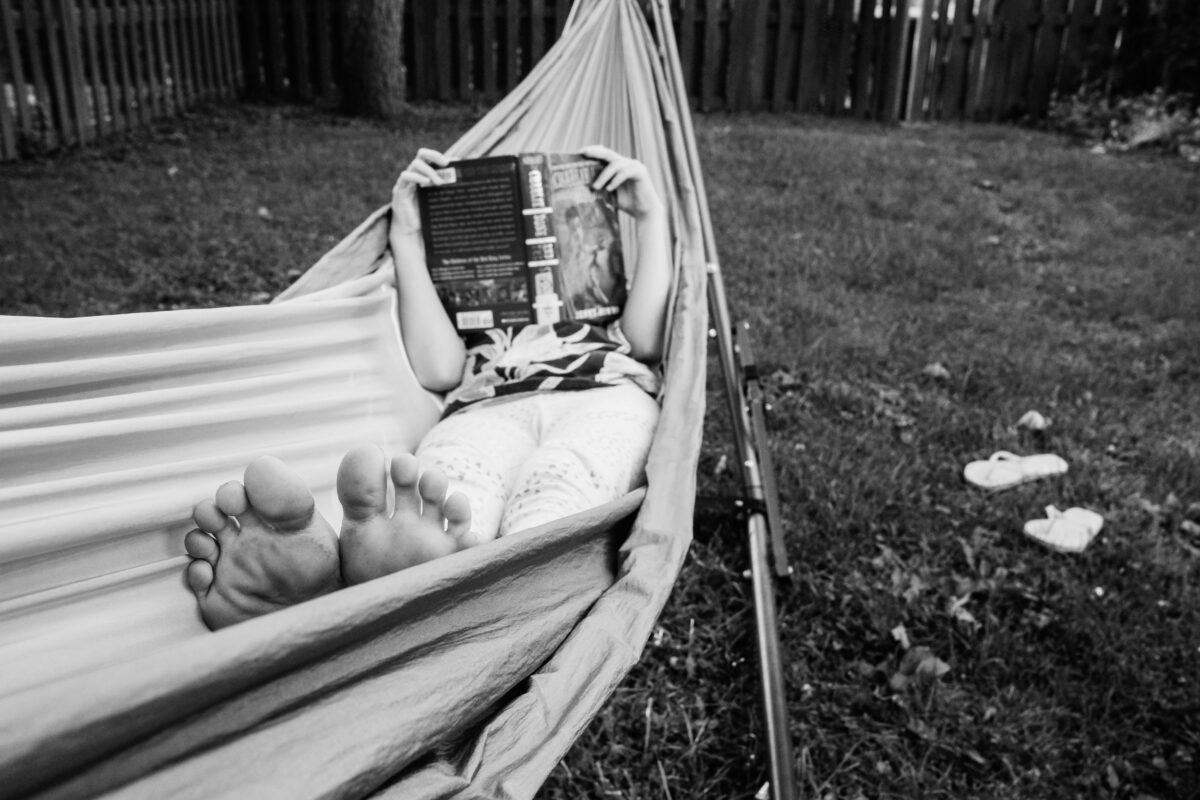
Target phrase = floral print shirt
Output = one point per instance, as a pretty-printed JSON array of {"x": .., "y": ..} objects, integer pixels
[{"x": 563, "y": 356}]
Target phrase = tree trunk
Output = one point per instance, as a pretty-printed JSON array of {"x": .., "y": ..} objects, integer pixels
[{"x": 373, "y": 74}]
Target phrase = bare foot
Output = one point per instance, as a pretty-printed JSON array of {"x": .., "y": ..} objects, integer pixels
[
  {"x": 426, "y": 524},
  {"x": 276, "y": 553}
]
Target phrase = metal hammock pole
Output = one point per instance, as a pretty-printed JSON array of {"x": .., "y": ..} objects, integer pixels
[{"x": 746, "y": 409}]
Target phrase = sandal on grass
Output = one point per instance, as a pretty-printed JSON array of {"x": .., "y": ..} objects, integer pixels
[
  {"x": 1069, "y": 531},
  {"x": 1005, "y": 470}
]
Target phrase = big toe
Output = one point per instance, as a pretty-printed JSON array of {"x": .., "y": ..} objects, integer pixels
[
  {"x": 278, "y": 494},
  {"x": 362, "y": 483}
]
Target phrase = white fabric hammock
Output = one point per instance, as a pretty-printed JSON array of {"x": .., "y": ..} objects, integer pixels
[{"x": 466, "y": 676}]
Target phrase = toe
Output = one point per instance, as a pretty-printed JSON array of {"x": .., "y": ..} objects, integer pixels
[
  {"x": 362, "y": 483},
  {"x": 199, "y": 577},
  {"x": 231, "y": 498},
  {"x": 209, "y": 517},
  {"x": 457, "y": 510},
  {"x": 278, "y": 494},
  {"x": 432, "y": 487},
  {"x": 405, "y": 472},
  {"x": 199, "y": 544}
]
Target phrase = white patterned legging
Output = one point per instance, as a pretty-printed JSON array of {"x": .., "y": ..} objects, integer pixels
[{"x": 537, "y": 457}]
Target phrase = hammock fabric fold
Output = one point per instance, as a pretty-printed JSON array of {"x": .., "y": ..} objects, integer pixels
[{"x": 468, "y": 676}]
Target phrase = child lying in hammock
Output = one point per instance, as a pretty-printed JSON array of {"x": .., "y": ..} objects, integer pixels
[{"x": 540, "y": 423}]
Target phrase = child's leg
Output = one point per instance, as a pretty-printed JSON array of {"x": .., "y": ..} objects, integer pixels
[
  {"x": 593, "y": 449},
  {"x": 480, "y": 449}
]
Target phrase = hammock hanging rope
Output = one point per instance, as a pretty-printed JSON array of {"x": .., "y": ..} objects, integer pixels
[{"x": 466, "y": 676}]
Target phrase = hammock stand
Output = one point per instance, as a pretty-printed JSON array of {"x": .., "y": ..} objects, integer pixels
[{"x": 468, "y": 676}]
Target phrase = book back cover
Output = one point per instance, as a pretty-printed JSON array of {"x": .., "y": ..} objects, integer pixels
[{"x": 474, "y": 233}]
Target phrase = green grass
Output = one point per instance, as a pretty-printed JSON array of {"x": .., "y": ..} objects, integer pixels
[{"x": 1039, "y": 275}]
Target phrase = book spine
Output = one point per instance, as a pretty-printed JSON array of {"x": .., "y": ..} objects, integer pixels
[{"x": 541, "y": 241}]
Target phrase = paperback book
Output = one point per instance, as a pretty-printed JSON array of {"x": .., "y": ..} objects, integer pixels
[{"x": 518, "y": 240}]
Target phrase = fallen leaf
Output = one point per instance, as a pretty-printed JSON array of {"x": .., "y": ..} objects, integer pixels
[
  {"x": 1033, "y": 421},
  {"x": 936, "y": 370}
]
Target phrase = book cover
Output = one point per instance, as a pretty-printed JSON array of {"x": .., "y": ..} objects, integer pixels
[
  {"x": 591, "y": 264},
  {"x": 516, "y": 240}
]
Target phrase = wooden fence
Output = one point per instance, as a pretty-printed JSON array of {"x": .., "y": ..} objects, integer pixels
[{"x": 73, "y": 70}]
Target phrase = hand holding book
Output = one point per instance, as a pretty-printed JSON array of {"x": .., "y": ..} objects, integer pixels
[
  {"x": 422, "y": 171},
  {"x": 628, "y": 178}
]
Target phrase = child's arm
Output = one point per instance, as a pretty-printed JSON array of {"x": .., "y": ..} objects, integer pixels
[
  {"x": 645, "y": 314},
  {"x": 434, "y": 347}
]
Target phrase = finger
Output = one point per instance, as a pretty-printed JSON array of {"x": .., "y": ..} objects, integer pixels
[
  {"x": 412, "y": 176},
  {"x": 600, "y": 151},
  {"x": 434, "y": 157},
  {"x": 622, "y": 173},
  {"x": 606, "y": 175},
  {"x": 424, "y": 168}
]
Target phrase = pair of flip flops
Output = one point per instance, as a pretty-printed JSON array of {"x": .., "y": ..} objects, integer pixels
[{"x": 1067, "y": 531}]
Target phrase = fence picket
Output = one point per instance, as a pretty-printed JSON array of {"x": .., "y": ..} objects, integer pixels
[
  {"x": 743, "y": 77},
  {"x": 896, "y": 61},
  {"x": 1025, "y": 18},
  {"x": 785, "y": 57},
  {"x": 322, "y": 24},
  {"x": 300, "y": 49},
  {"x": 712, "y": 55},
  {"x": 810, "y": 57},
  {"x": 512, "y": 31},
  {"x": 229, "y": 49},
  {"x": 488, "y": 51},
  {"x": 8, "y": 131},
  {"x": 1046, "y": 56},
  {"x": 209, "y": 50},
  {"x": 864, "y": 47},
  {"x": 58, "y": 88},
  {"x": 157, "y": 59},
  {"x": 977, "y": 62},
  {"x": 24, "y": 113},
  {"x": 86, "y": 19},
  {"x": 274, "y": 54},
  {"x": 952, "y": 94},
  {"x": 841, "y": 21},
  {"x": 537, "y": 30},
  {"x": 76, "y": 98},
  {"x": 133, "y": 57},
  {"x": 441, "y": 40}
]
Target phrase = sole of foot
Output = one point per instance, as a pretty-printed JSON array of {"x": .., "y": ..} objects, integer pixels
[
  {"x": 425, "y": 522},
  {"x": 259, "y": 546}
]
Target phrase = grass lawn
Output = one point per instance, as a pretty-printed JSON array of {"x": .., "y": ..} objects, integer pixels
[{"x": 1037, "y": 275}]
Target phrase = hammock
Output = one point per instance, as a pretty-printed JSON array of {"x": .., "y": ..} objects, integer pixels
[{"x": 467, "y": 676}]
